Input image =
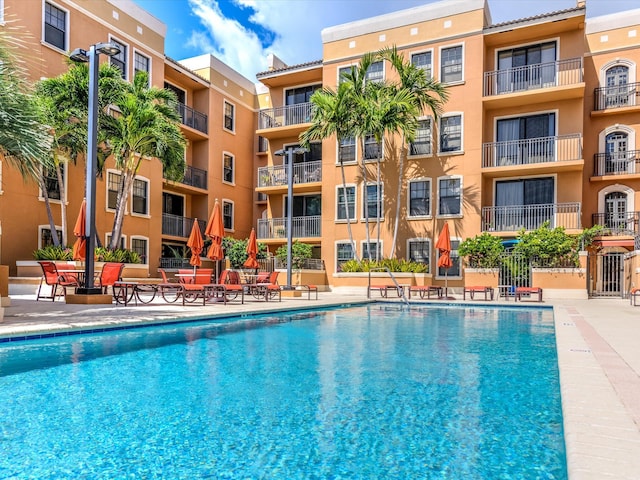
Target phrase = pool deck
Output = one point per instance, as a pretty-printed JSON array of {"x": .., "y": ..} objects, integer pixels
[{"x": 598, "y": 344}]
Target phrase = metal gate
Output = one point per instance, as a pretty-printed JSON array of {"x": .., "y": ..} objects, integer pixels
[
  {"x": 606, "y": 274},
  {"x": 515, "y": 271}
]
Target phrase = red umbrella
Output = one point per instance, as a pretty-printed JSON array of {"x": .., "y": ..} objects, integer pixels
[
  {"x": 215, "y": 230},
  {"x": 80, "y": 245},
  {"x": 252, "y": 251},
  {"x": 444, "y": 247},
  {"x": 196, "y": 244}
]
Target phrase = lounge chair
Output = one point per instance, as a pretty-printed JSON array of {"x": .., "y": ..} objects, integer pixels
[
  {"x": 110, "y": 274},
  {"x": 427, "y": 290},
  {"x": 269, "y": 289},
  {"x": 528, "y": 292},
  {"x": 55, "y": 280},
  {"x": 472, "y": 290}
]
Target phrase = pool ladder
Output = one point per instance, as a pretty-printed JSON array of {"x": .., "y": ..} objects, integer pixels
[{"x": 385, "y": 269}]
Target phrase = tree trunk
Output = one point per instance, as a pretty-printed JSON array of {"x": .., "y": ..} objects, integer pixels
[
  {"x": 47, "y": 205},
  {"x": 63, "y": 205},
  {"x": 403, "y": 153},
  {"x": 366, "y": 205},
  {"x": 355, "y": 209},
  {"x": 118, "y": 220},
  {"x": 379, "y": 206}
]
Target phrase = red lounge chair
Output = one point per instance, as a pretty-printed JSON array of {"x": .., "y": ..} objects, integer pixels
[
  {"x": 54, "y": 279},
  {"x": 110, "y": 274}
]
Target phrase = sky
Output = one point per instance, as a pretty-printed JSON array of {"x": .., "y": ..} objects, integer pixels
[{"x": 242, "y": 33}]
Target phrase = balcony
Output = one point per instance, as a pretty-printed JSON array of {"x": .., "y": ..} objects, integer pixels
[
  {"x": 303, "y": 173},
  {"x": 194, "y": 177},
  {"x": 178, "y": 226},
  {"x": 556, "y": 81},
  {"x": 619, "y": 96},
  {"x": 192, "y": 118},
  {"x": 276, "y": 228},
  {"x": 618, "y": 223},
  {"x": 515, "y": 217},
  {"x": 289, "y": 120},
  {"x": 616, "y": 163},
  {"x": 564, "y": 149}
]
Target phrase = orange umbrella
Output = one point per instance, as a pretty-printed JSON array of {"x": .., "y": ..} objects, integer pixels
[
  {"x": 215, "y": 230},
  {"x": 80, "y": 245},
  {"x": 196, "y": 244},
  {"x": 444, "y": 247},
  {"x": 252, "y": 251}
]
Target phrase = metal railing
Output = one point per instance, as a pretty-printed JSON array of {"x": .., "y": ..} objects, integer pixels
[
  {"x": 194, "y": 177},
  {"x": 515, "y": 217},
  {"x": 307, "y": 264},
  {"x": 618, "y": 223},
  {"x": 172, "y": 263},
  {"x": 306, "y": 172},
  {"x": 179, "y": 226},
  {"x": 531, "y": 77},
  {"x": 192, "y": 118},
  {"x": 287, "y": 115},
  {"x": 616, "y": 163},
  {"x": 618, "y": 96},
  {"x": 532, "y": 150},
  {"x": 276, "y": 228}
]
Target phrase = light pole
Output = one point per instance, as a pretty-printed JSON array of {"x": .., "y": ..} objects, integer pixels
[
  {"x": 289, "y": 152},
  {"x": 80, "y": 55}
]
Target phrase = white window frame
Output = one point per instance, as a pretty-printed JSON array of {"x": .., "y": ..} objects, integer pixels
[
  {"x": 233, "y": 168},
  {"x": 455, "y": 253},
  {"x": 631, "y": 136},
  {"x": 628, "y": 191},
  {"x": 446, "y": 47},
  {"x": 364, "y": 199},
  {"x": 430, "y": 196},
  {"x": 456, "y": 215},
  {"x": 233, "y": 213},
  {"x": 380, "y": 80},
  {"x": 123, "y": 240},
  {"x": 372, "y": 241},
  {"x": 148, "y": 182},
  {"x": 381, "y": 144},
  {"x": 145, "y": 259},
  {"x": 2, "y": 12},
  {"x": 106, "y": 189},
  {"x": 428, "y": 118},
  {"x": 127, "y": 60},
  {"x": 421, "y": 52},
  {"x": 336, "y": 245},
  {"x": 65, "y": 181},
  {"x": 137, "y": 53},
  {"x": 449, "y": 115},
  {"x": 429, "y": 249},
  {"x": 623, "y": 62},
  {"x": 47, "y": 227},
  {"x": 226, "y": 102},
  {"x": 342, "y": 67},
  {"x": 66, "y": 26},
  {"x": 355, "y": 203},
  {"x": 355, "y": 153}
]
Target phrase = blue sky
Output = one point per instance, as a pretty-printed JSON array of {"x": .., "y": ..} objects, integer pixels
[{"x": 242, "y": 33}]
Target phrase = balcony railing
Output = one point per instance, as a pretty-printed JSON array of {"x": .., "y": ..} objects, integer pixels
[
  {"x": 179, "y": 226},
  {"x": 276, "y": 228},
  {"x": 306, "y": 172},
  {"x": 531, "y": 77},
  {"x": 172, "y": 263},
  {"x": 616, "y": 163},
  {"x": 195, "y": 177},
  {"x": 287, "y": 115},
  {"x": 532, "y": 150},
  {"x": 618, "y": 223},
  {"x": 618, "y": 96},
  {"x": 192, "y": 118},
  {"x": 515, "y": 217}
]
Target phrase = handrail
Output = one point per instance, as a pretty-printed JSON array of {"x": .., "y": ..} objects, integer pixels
[{"x": 400, "y": 289}]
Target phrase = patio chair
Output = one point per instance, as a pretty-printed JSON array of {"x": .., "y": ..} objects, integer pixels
[
  {"x": 170, "y": 288},
  {"x": 55, "y": 280},
  {"x": 110, "y": 274},
  {"x": 268, "y": 289}
]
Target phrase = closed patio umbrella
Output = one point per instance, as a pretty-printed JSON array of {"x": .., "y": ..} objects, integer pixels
[
  {"x": 444, "y": 247},
  {"x": 252, "y": 251},
  {"x": 215, "y": 231},
  {"x": 80, "y": 245},
  {"x": 196, "y": 244}
]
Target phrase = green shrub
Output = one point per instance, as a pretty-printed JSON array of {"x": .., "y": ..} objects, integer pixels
[
  {"x": 119, "y": 255},
  {"x": 299, "y": 253},
  {"x": 51, "y": 252},
  {"x": 482, "y": 251},
  {"x": 236, "y": 251},
  {"x": 392, "y": 264}
]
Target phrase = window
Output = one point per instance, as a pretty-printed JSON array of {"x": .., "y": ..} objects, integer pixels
[
  {"x": 229, "y": 116},
  {"x": 372, "y": 202},
  {"x": 419, "y": 250},
  {"x": 513, "y": 198},
  {"x": 51, "y": 183},
  {"x": 523, "y": 68},
  {"x": 344, "y": 253},
  {"x": 423, "y": 61},
  {"x": 454, "y": 271},
  {"x": 618, "y": 92},
  {"x": 421, "y": 145},
  {"x": 120, "y": 60},
  {"x": 228, "y": 168},
  {"x": 140, "y": 245},
  {"x": 419, "y": 198},
  {"x": 140, "y": 197},
  {"x": 346, "y": 202},
  {"x": 113, "y": 189},
  {"x": 347, "y": 150},
  {"x": 141, "y": 63},
  {"x": 451, "y": 69},
  {"x": 450, "y": 196},
  {"x": 617, "y": 158},
  {"x": 375, "y": 72},
  {"x": 372, "y": 148},
  {"x": 511, "y": 132},
  {"x": 121, "y": 244},
  {"x": 55, "y": 26},
  {"x": 296, "y": 96},
  {"x": 343, "y": 72},
  {"x": 181, "y": 95},
  {"x": 45, "y": 238},
  {"x": 227, "y": 214},
  {"x": 451, "y": 133},
  {"x": 371, "y": 250}
]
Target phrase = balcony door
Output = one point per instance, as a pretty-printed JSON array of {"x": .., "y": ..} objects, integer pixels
[
  {"x": 525, "y": 140},
  {"x": 297, "y": 105},
  {"x": 618, "y": 92},
  {"x": 616, "y": 158},
  {"x": 524, "y": 68},
  {"x": 524, "y": 203},
  {"x": 615, "y": 205}
]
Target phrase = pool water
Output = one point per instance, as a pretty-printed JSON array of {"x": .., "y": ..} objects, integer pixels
[{"x": 362, "y": 392}]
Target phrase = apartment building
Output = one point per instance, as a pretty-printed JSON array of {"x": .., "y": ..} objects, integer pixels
[
  {"x": 539, "y": 126},
  {"x": 216, "y": 103}
]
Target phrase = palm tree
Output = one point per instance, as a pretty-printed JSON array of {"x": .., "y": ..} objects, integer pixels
[
  {"x": 144, "y": 124},
  {"x": 428, "y": 94}
]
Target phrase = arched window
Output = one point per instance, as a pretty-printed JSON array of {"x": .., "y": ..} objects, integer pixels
[
  {"x": 618, "y": 92},
  {"x": 616, "y": 156},
  {"x": 615, "y": 208}
]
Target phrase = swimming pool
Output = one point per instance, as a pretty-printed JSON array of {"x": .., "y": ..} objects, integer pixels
[{"x": 363, "y": 392}]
